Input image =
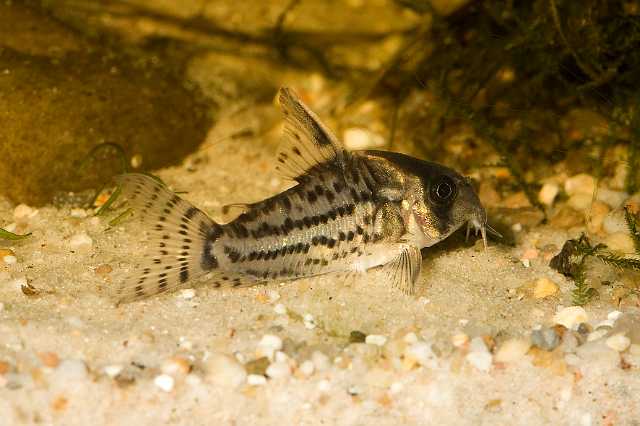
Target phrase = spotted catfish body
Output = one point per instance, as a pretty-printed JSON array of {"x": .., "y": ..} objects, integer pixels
[{"x": 349, "y": 211}]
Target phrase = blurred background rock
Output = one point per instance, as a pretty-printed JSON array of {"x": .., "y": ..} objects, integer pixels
[{"x": 516, "y": 94}]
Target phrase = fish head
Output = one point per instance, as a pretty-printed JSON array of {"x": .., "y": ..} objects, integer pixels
[
  {"x": 444, "y": 202},
  {"x": 436, "y": 200}
]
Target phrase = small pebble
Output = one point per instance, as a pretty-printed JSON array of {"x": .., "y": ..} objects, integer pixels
[
  {"x": 620, "y": 242},
  {"x": 580, "y": 184},
  {"x": 613, "y": 199},
  {"x": 104, "y": 269},
  {"x": 614, "y": 222},
  {"x": 596, "y": 335},
  {"x": 273, "y": 295},
  {"x": 396, "y": 388},
  {"x": 309, "y": 321},
  {"x": 79, "y": 213},
  {"x": 72, "y": 369},
  {"x": 187, "y": 293},
  {"x": 357, "y": 336},
  {"x": 224, "y": 370},
  {"x": 480, "y": 360},
  {"x": 548, "y": 193},
  {"x": 618, "y": 342},
  {"x": 49, "y": 359},
  {"x": 580, "y": 201},
  {"x": 307, "y": 368},
  {"x": 9, "y": 260},
  {"x": 176, "y": 365},
  {"x": 80, "y": 240},
  {"x": 268, "y": 345},
  {"x": 420, "y": 353},
  {"x": 320, "y": 361},
  {"x": 112, "y": 370},
  {"x": 256, "y": 380},
  {"x": 410, "y": 338},
  {"x": 544, "y": 287},
  {"x": 546, "y": 339},
  {"x": 571, "y": 317},
  {"x": 614, "y": 315},
  {"x": 459, "y": 340},
  {"x": 278, "y": 370},
  {"x": 324, "y": 386},
  {"x": 512, "y": 350},
  {"x": 376, "y": 339},
  {"x": 164, "y": 382},
  {"x": 19, "y": 283},
  {"x": 22, "y": 211},
  {"x": 280, "y": 309}
]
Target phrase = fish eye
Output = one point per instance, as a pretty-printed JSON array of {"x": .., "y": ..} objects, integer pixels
[{"x": 443, "y": 190}]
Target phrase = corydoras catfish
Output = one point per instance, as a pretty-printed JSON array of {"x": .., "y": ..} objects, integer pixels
[{"x": 348, "y": 211}]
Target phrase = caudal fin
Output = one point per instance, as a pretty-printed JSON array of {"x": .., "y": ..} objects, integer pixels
[{"x": 180, "y": 239}]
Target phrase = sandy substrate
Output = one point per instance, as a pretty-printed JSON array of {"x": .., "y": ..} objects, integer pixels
[{"x": 68, "y": 356}]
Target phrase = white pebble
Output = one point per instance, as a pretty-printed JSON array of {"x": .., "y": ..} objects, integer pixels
[
  {"x": 9, "y": 259},
  {"x": 614, "y": 315},
  {"x": 396, "y": 388},
  {"x": 18, "y": 283},
  {"x": 80, "y": 240},
  {"x": 22, "y": 211},
  {"x": 596, "y": 335},
  {"x": 548, "y": 193},
  {"x": 320, "y": 361},
  {"x": 478, "y": 345},
  {"x": 309, "y": 321},
  {"x": 273, "y": 295},
  {"x": 324, "y": 386},
  {"x": 280, "y": 309},
  {"x": 410, "y": 337},
  {"x": 226, "y": 371},
  {"x": 571, "y": 317},
  {"x": 375, "y": 339},
  {"x": 192, "y": 380},
  {"x": 72, "y": 369},
  {"x": 618, "y": 342},
  {"x": 422, "y": 353},
  {"x": 307, "y": 368},
  {"x": 164, "y": 382},
  {"x": 516, "y": 227},
  {"x": 268, "y": 345},
  {"x": 256, "y": 379},
  {"x": 605, "y": 323},
  {"x": 480, "y": 360},
  {"x": 188, "y": 293},
  {"x": 278, "y": 370},
  {"x": 112, "y": 370},
  {"x": 459, "y": 340},
  {"x": 526, "y": 263},
  {"x": 512, "y": 350},
  {"x": 79, "y": 213},
  {"x": 357, "y": 138}
]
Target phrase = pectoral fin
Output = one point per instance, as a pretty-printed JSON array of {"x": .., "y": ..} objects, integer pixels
[{"x": 404, "y": 270}]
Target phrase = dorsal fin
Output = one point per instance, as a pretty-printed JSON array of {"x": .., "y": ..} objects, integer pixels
[{"x": 307, "y": 142}]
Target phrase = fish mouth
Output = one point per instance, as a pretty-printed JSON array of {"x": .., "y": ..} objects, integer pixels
[{"x": 479, "y": 224}]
